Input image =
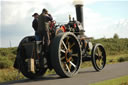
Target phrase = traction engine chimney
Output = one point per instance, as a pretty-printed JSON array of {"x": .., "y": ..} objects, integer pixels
[{"x": 79, "y": 13}]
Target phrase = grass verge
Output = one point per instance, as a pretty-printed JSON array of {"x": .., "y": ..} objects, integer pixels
[
  {"x": 117, "y": 58},
  {"x": 117, "y": 81},
  {"x": 9, "y": 74}
]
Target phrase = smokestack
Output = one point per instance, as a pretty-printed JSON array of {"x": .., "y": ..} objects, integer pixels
[
  {"x": 79, "y": 10},
  {"x": 79, "y": 13}
]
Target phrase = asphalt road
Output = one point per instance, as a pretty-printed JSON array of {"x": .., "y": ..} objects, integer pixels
[{"x": 84, "y": 77}]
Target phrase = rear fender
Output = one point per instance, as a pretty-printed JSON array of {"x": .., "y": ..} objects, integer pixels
[{"x": 18, "y": 59}]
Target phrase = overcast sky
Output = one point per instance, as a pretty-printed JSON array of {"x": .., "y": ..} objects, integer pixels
[{"x": 102, "y": 18}]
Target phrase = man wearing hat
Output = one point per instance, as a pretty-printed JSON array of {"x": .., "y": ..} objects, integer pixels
[
  {"x": 43, "y": 28},
  {"x": 35, "y": 25}
]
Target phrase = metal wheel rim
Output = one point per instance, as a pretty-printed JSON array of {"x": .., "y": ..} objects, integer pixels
[{"x": 100, "y": 57}]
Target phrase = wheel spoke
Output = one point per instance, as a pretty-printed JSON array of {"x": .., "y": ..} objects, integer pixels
[
  {"x": 72, "y": 64},
  {"x": 62, "y": 58},
  {"x": 72, "y": 45},
  {"x": 98, "y": 63},
  {"x": 64, "y": 45},
  {"x": 67, "y": 40},
  {"x": 99, "y": 52},
  {"x": 75, "y": 55},
  {"x": 67, "y": 68},
  {"x": 102, "y": 56},
  {"x": 102, "y": 62},
  {"x": 96, "y": 54},
  {"x": 68, "y": 45},
  {"x": 64, "y": 65},
  {"x": 62, "y": 50}
]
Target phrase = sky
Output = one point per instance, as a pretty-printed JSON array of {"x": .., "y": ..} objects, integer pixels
[{"x": 102, "y": 18}]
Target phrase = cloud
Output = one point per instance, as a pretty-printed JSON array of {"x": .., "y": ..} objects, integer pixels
[
  {"x": 98, "y": 25},
  {"x": 16, "y": 19},
  {"x": 18, "y": 10},
  {"x": 120, "y": 27},
  {"x": 95, "y": 23},
  {"x": 13, "y": 12}
]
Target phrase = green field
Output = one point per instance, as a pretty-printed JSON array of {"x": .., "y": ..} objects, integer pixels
[
  {"x": 117, "y": 81},
  {"x": 116, "y": 49}
]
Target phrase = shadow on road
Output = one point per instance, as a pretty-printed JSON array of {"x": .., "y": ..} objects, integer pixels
[
  {"x": 49, "y": 77},
  {"x": 45, "y": 78},
  {"x": 87, "y": 72}
]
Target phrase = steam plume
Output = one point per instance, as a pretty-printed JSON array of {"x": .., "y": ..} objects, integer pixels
[{"x": 78, "y": 2}]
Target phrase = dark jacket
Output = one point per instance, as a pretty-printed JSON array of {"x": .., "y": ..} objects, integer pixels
[
  {"x": 48, "y": 17},
  {"x": 43, "y": 22},
  {"x": 35, "y": 24}
]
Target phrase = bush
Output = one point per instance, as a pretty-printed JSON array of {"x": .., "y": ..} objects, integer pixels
[
  {"x": 5, "y": 63},
  {"x": 8, "y": 51},
  {"x": 14, "y": 50},
  {"x": 11, "y": 57},
  {"x": 9, "y": 74},
  {"x": 116, "y": 36},
  {"x": 124, "y": 83},
  {"x": 121, "y": 59},
  {"x": 4, "y": 52},
  {"x": 111, "y": 60}
]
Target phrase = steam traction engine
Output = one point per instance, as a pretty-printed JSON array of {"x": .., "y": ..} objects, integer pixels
[{"x": 69, "y": 47}]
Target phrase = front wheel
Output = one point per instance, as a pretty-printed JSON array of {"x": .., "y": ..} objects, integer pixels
[{"x": 98, "y": 57}]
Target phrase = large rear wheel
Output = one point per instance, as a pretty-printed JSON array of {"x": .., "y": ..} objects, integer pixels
[
  {"x": 27, "y": 57},
  {"x": 66, "y": 54}
]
